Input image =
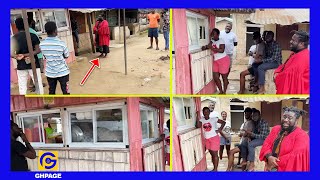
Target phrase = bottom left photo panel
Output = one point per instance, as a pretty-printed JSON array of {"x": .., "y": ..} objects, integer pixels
[{"x": 90, "y": 133}]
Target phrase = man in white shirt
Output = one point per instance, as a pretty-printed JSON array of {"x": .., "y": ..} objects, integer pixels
[
  {"x": 230, "y": 40},
  {"x": 213, "y": 114},
  {"x": 251, "y": 53}
]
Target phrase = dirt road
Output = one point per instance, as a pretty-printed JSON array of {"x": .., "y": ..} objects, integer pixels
[{"x": 147, "y": 74}]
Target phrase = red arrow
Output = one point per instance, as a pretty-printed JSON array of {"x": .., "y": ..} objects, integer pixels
[{"x": 94, "y": 62}]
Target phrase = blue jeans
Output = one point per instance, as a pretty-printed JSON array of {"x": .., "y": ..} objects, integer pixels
[
  {"x": 262, "y": 71},
  {"x": 166, "y": 38},
  {"x": 247, "y": 149}
]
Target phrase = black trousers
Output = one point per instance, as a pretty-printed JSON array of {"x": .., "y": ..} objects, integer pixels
[
  {"x": 64, "y": 83},
  {"x": 105, "y": 49}
]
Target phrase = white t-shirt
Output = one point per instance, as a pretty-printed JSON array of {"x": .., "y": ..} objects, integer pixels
[
  {"x": 209, "y": 127},
  {"x": 229, "y": 38},
  {"x": 226, "y": 129},
  {"x": 253, "y": 50},
  {"x": 241, "y": 129},
  {"x": 213, "y": 114},
  {"x": 216, "y": 44}
]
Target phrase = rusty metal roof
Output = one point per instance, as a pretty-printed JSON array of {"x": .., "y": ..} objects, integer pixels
[
  {"x": 270, "y": 99},
  {"x": 87, "y": 10},
  {"x": 280, "y": 16},
  {"x": 236, "y": 10},
  {"x": 21, "y": 103}
]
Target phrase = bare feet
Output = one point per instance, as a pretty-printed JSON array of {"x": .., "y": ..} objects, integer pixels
[
  {"x": 150, "y": 47},
  {"x": 157, "y": 48},
  {"x": 240, "y": 92},
  {"x": 228, "y": 169},
  {"x": 251, "y": 166}
]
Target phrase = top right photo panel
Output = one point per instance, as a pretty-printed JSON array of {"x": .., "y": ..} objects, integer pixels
[{"x": 241, "y": 51}]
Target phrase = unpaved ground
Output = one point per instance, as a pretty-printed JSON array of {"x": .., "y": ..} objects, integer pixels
[
  {"x": 147, "y": 74},
  {"x": 234, "y": 77},
  {"x": 223, "y": 164}
]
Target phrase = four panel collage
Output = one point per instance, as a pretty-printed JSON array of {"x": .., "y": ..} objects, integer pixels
[{"x": 160, "y": 89}]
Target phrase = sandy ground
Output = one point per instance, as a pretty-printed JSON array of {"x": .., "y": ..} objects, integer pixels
[
  {"x": 167, "y": 168},
  {"x": 223, "y": 164},
  {"x": 147, "y": 74},
  {"x": 234, "y": 77}
]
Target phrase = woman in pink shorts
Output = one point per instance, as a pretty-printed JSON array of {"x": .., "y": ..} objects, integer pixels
[
  {"x": 221, "y": 62},
  {"x": 210, "y": 131}
]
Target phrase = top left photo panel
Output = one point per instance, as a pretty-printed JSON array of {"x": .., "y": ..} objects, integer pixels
[{"x": 89, "y": 51}]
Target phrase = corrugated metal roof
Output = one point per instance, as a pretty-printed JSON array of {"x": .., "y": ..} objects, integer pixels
[
  {"x": 268, "y": 99},
  {"x": 236, "y": 10},
  {"x": 21, "y": 103},
  {"x": 280, "y": 16},
  {"x": 87, "y": 10},
  {"x": 208, "y": 98},
  {"x": 218, "y": 19}
]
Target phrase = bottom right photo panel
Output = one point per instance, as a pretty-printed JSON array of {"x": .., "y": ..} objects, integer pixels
[{"x": 241, "y": 133}]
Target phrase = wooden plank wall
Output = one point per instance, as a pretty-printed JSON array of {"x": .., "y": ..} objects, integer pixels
[
  {"x": 201, "y": 69},
  {"x": 153, "y": 157},
  {"x": 191, "y": 149},
  {"x": 76, "y": 160}
]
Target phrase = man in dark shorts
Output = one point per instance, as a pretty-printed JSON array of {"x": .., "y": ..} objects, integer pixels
[
  {"x": 154, "y": 19},
  {"x": 257, "y": 61}
]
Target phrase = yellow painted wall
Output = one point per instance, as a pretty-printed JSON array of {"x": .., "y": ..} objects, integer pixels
[{"x": 256, "y": 105}]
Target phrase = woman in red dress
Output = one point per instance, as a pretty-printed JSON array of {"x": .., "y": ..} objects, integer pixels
[{"x": 102, "y": 36}]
